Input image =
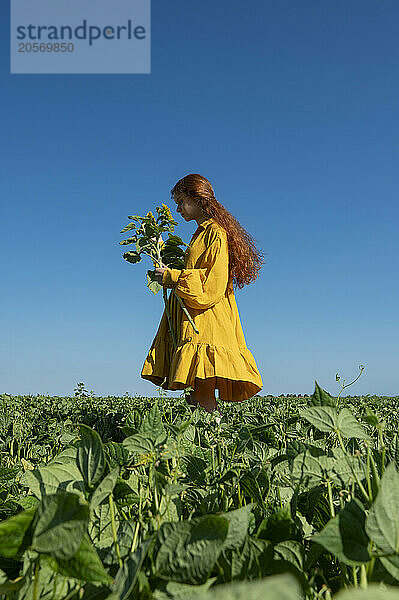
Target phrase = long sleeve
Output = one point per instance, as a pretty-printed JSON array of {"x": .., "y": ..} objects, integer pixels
[{"x": 205, "y": 286}]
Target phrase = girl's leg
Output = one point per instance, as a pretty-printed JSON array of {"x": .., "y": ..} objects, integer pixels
[{"x": 204, "y": 394}]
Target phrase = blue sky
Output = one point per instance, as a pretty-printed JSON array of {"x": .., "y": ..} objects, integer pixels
[{"x": 291, "y": 110}]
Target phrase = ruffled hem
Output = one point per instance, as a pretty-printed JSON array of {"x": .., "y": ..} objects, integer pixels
[{"x": 236, "y": 375}]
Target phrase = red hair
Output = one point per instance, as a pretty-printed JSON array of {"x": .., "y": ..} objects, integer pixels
[{"x": 244, "y": 259}]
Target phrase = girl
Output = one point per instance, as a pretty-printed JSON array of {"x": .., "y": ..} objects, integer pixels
[{"x": 221, "y": 253}]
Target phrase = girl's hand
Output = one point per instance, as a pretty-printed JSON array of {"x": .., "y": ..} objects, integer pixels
[{"x": 159, "y": 271}]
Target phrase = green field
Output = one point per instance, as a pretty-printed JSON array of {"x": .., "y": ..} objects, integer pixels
[{"x": 288, "y": 497}]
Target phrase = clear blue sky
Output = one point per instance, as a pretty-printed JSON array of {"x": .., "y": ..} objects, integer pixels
[{"x": 291, "y": 110}]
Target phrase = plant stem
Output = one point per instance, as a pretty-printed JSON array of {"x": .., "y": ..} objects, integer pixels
[
  {"x": 135, "y": 537},
  {"x": 370, "y": 491},
  {"x": 184, "y": 309},
  {"x": 112, "y": 511},
  {"x": 363, "y": 577},
  {"x": 359, "y": 483},
  {"x": 36, "y": 579},
  {"x": 180, "y": 301},
  {"x": 354, "y": 576},
  {"x": 172, "y": 333},
  {"x": 332, "y": 509}
]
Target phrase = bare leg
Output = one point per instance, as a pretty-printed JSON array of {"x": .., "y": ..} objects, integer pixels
[{"x": 204, "y": 394}]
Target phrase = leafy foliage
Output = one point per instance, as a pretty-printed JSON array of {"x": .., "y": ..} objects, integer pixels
[{"x": 124, "y": 498}]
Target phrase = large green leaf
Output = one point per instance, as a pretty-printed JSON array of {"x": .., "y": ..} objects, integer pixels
[
  {"x": 321, "y": 398},
  {"x": 90, "y": 457},
  {"x": 345, "y": 467},
  {"x": 277, "y": 587},
  {"x": 326, "y": 418},
  {"x": 60, "y": 523},
  {"x": 48, "y": 585},
  {"x": 252, "y": 560},
  {"x": 277, "y": 527},
  {"x": 139, "y": 443},
  {"x": 373, "y": 592},
  {"x": 349, "y": 426},
  {"x": 311, "y": 470},
  {"x": 382, "y": 523},
  {"x": 290, "y": 551},
  {"x": 189, "y": 549},
  {"x": 54, "y": 477},
  {"x": 105, "y": 488},
  {"x": 16, "y": 533},
  {"x": 323, "y": 418},
  {"x": 238, "y": 526},
  {"x": 84, "y": 565},
  {"x": 116, "y": 453},
  {"x": 100, "y": 529},
  {"x": 345, "y": 535},
  {"x": 152, "y": 425}
]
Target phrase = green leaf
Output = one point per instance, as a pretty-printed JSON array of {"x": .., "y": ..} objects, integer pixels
[
  {"x": 311, "y": 470},
  {"x": 345, "y": 466},
  {"x": 370, "y": 417},
  {"x": 326, "y": 418},
  {"x": 277, "y": 587},
  {"x": 189, "y": 549},
  {"x": 253, "y": 560},
  {"x": 60, "y": 523},
  {"x": 132, "y": 257},
  {"x": 323, "y": 418},
  {"x": 278, "y": 527},
  {"x": 180, "y": 591},
  {"x": 251, "y": 487},
  {"x": 321, "y": 398},
  {"x": 54, "y": 477},
  {"x": 139, "y": 443},
  {"x": 345, "y": 535},
  {"x": 126, "y": 577},
  {"x": 90, "y": 457},
  {"x": 290, "y": 551},
  {"x": 104, "y": 489},
  {"x": 238, "y": 526},
  {"x": 391, "y": 564},
  {"x": 349, "y": 426},
  {"x": 84, "y": 565},
  {"x": 382, "y": 523},
  {"x": 152, "y": 283},
  {"x": 373, "y": 592},
  {"x": 143, "y": 244},
  {"x": 100, "y": 529},
  {"x": 16, "y": 533},
  {"x": 129, "y": 227},
  {"x": 131, "y": 240},
  {"x": 9, "y": 588},
  {"x": 117, "y": 455},
  {"x": 152, "y": 425},
  {"x": 174, "y": 239}
]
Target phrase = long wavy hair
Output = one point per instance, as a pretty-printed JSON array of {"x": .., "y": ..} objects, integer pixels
[{"x": 245, "y": 260}]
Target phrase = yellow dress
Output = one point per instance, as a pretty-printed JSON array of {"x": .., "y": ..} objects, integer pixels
[{"x": 219, "y": 350}]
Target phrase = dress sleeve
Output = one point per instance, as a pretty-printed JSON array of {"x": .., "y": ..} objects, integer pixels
[{"x": 202, "y": 287}]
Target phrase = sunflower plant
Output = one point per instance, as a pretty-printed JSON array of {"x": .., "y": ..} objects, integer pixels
[{"x": 147, "y": 241}]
